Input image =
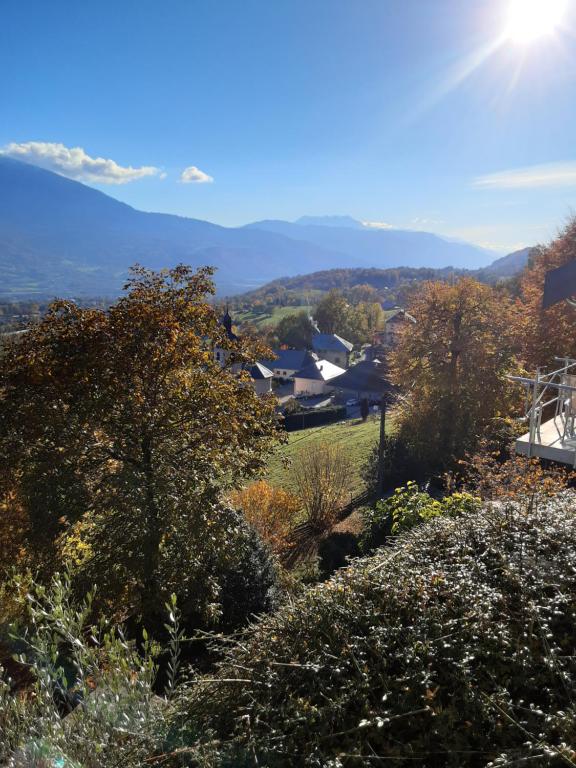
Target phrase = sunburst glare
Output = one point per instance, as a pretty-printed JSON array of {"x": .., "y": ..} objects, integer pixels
[{"x": 530, "y": 19}]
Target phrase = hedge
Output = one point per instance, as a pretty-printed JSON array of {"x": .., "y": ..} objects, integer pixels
[{"x": 455, "y": 647}]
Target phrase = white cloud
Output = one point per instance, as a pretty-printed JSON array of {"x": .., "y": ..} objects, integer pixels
[
  {"x": 532, "y": 177},
  {"x": 424, "y": 222},
  {"x": 75, "y": 163},
  {"x": 378, "y": 225},
  {"x": 193, "y": 175}
]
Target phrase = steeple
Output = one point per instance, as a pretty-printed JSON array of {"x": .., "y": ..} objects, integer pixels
[{"x": 227, "y": 324}]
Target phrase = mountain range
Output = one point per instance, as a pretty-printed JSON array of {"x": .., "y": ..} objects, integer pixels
[{"x": 61, "y": 237}]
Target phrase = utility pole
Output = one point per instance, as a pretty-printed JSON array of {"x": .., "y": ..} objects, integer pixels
[{"x": 381, "y": 452}]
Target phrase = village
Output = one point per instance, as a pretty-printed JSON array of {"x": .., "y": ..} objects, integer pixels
[{"x": 331, "y": 372}]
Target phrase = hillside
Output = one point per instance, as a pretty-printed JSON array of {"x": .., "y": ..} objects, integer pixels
[
  {"x": 58, "y": 236},
  {"x": 392, "y": 285},
  {"x": 509, "y": 265},
  {"x": 325, "y": 280}
]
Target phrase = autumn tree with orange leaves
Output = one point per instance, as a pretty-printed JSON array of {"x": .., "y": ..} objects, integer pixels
[
  {"x": 118, "y": 431},
  {"x": 452, "y": 368},
  {"x": 545, "y": 334},
  {"x": 272, "y": 511}
]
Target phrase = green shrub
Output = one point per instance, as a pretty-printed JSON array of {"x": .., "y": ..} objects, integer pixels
[
  {"x": 91, "y": 700},
  {"x": 407, "y": 507},
  {"x": 400, "y": 465},
  {"x": 455, "y": 647},
  {"x": 248, "y": 577}
]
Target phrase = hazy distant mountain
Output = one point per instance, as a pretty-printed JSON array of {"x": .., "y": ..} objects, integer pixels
[
  {"x": 367, "y": 246},
  {"x": 60, "y": 237},
  {"x": 509, "y": 265},
  {"x": 330, "y": 221}
]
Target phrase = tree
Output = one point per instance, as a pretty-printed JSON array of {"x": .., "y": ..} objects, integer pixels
[
  {"x": 363, "y": 293},
  {"x": 331, "y": 312},
  {"x": 361, "y": 321},
  {"x": 271, "y": 511},
  {"x": 322, "y": 478},
  {"x": 453, "y": 367},
  {"x": 295, "y": 330},
  {"x": 119, "y": 430},
  {"x": 545, "y": 334}
]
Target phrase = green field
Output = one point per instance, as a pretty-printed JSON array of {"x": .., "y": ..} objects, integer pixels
[
  {"x": 268, "y": 317},
  {"x": 356, "y": 438}
]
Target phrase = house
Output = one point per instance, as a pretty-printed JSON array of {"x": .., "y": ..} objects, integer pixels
[
  {"x": 261, "y": 378},
  {"x": 368, "y": 380},
  {"x": 331, "y": 347},
  {"x": 394, "y": 327},
  {"x": 314, "y": 378},
  {"x": 6, "y": 339},
  {"x": 288, "y": 362}
]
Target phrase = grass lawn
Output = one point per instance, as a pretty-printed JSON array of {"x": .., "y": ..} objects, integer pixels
[
  {"x": 266, "y": 317},
  {"x": 356, "y": 438}
]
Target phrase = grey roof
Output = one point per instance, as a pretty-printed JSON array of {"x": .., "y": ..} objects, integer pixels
[
  {"x": 366, "y": 376},
  {"x": 290, "y": 359},
  {"x": 259, "y": 371},
  {"x": 331, "y": 342},
  {"x": 320, "y": 370},
  {"x": 400, "y": 316}
]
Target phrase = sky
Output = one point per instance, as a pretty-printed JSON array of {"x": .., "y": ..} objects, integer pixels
[{"x": 419, "y": 114}]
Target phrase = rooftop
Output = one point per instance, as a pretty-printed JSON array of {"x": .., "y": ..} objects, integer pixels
[
  {"x": 290, "y": 359},
  {"x": 366, "y": 376},
  {"x": 401, "y": 316},
  {"x": 331, "y": 342},
  {"x": 320, "y": 370},
  {"x": 259, "y": 371}
]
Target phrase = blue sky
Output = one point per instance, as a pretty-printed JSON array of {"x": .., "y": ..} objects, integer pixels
[{"x": 406, "y": 112}]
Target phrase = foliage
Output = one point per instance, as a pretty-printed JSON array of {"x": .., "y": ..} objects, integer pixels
[
  {"x": 454, "y": 648},
  {"x": 91, "y": 701},
  {"x": 517, "y": 476},
  {"x": 356, "y": 322},
  {"x": 400, "y": 464},
  {"x": 331, "y": 311},
  {"x": 271, "y": 511},
  {"x": 322, "y": 477},
  {"x": 295, "y": 331},
  {"x": 246, "y": 574},
  {"x": 546, "y": 333},
  {"x": 453, "y": 365},
  {"x": 392, "y": 285},
  {"x": 118, "y": 431},
  {"x": 407, "y": 507}
]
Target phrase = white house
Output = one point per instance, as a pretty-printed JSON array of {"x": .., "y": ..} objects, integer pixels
[{"x": 314, "y": 379}]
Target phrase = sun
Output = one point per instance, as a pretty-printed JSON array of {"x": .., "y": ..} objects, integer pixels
[{"x": 530, "y": 19}]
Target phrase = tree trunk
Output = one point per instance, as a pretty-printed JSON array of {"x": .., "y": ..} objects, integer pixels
[{"x": 151, "y": 553}]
